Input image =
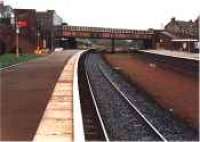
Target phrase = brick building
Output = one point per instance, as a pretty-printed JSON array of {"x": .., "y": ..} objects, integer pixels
[
  {"x": 39, "y": 27},
  {"x": 46, "y": 22},
  {"x": 166, "y": 40},
  {"x": 27, "y": 36},
  {"x": 179, "y": 35},
  {"x": 38, "y": 24},
  {"x": 7, "y": 38},
  {"x": 183, "y": 29}
]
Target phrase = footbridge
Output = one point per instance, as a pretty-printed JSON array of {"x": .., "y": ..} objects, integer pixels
[{"x": 66, "y": 31}]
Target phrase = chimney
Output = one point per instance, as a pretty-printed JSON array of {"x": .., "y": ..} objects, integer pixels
[
  {"x": 190, "y": 21},
  {"x": 173, "y": 19}
]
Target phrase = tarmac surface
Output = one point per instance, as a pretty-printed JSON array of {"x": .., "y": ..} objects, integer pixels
[{"x": 25, "y": 91}]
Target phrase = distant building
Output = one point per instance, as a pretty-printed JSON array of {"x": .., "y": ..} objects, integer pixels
[
  {"x": 38, "y": 29},
  {"x": 196, "y": 29},
  {"x": 46, "y": 22},
  {"x": 166, "y": 40},
  {"x": 28, "y": 34},
  {"x": 179, "y": 35},
  {"x": 183, "y": 29}
]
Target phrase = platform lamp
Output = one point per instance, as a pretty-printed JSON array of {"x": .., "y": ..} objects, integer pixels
[
  {"x": 199, "y": 31},
  {"x": 17, "y": 37},
  {"x": 38, "y": 42},
  {"x": 12, "y": 20}
]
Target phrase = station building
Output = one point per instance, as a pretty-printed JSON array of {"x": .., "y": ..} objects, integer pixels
[
  {"x": 38, "y": 28},
  {"x": 27, "y": 35},
  {"x": 46, "y": 21},
  {"x": 179, "y": 35},
  {"x": 40, "y": 25}
]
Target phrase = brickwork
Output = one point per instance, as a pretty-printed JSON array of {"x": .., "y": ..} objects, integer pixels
[{"x": 183, "y": 29}]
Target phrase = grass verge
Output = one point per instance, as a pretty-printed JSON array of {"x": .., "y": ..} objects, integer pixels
[{"x": 9, "y": 59}]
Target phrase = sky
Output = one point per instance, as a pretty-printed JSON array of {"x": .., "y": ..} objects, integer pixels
[{"x": 129, "y": 14}]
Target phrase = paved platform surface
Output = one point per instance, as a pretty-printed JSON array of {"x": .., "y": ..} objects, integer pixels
[
  {"x": 25, "y": 92},
  {"x": 62, "y": 116},
  {"x": 179, "y": 54}
]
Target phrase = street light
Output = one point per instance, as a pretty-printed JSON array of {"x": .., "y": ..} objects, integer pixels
[
  {"x": 12, "y": 19},
  {"x": 17, "y": 38},
  {"x": 38, "y": 42}
]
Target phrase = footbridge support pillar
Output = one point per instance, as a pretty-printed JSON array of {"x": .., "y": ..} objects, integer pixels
[{"x": 113, "y": 46}]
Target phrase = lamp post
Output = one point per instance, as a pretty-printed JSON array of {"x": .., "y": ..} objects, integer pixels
[
  {"x": 17, "y": 38},
  {"x": 12, "y": 19},
  {"x": 38, "y": 41},
  {"x": 199, "y": 31},
  {"x": 113, "y": 45}
]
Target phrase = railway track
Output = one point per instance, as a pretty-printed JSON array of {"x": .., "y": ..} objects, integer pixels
[
  {"x": 139, "y": 114},
  {"x": 108, "y": 114},
  {"x": 93, "y": 125}
]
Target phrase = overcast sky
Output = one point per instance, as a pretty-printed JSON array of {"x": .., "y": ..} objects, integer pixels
[{"x": 134, "y": 14}]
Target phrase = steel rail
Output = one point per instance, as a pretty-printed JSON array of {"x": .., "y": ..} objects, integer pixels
[
  {"x": 96, "y": 107},
  {"x": 131, "y": 104}
]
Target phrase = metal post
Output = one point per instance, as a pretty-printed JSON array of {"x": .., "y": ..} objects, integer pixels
[
  {"x": 38, "y": 41},
  {"x": 52, "y": 38},
  {"x": 199, "y": 32},
  {"x": 113, "y": 45},
  {"x": 17, "y": 41}
]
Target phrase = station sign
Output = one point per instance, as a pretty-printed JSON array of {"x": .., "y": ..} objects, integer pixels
[{"x": 22, "y": 24}]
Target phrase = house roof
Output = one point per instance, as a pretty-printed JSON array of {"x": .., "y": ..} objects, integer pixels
[
  {"x": 168, "y": 34},
  {"x": 184, "y": 24}
]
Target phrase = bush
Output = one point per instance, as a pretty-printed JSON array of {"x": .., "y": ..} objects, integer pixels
[{"x": 5, "y": 21}]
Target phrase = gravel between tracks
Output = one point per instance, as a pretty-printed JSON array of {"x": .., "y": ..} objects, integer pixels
[
  {"x": 122, "y": 123},
  {"x": 119, "y": 118}
]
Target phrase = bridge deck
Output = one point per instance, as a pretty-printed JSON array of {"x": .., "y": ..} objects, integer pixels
[{"x": 97, "y": 32}]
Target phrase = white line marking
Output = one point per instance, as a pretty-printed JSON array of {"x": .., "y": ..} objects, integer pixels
[
  {"x": 138, "y": 111},
  {"x": 79, "y": 135}
]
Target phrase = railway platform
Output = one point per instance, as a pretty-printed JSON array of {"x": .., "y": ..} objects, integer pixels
[
  {"x": 37, "y": 99},
  {"x": 177, "y": 54}
]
